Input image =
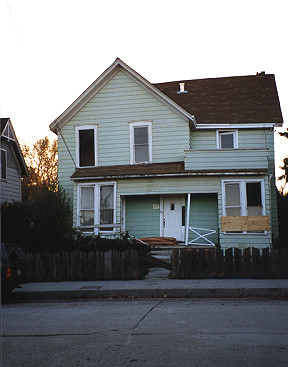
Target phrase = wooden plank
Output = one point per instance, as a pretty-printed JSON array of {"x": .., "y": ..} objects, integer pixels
[
  {"x": 74, "y": 266},
  {"x": 108, "y": 265},
  {"x": 175, "y": 263},
  {"x": 47, "y": 259},
  {"x": 284, "y": 262},
  {"x": 100, "y": 265},
  {"x": 31, "y": 266},
  {"x": 220, "y": 267},
  {"x": 134, "y": 269},
  {"x": 211, "y": 263},
  {"x": 56, "y": 266},
  {"x": 234, "y": 224},
  {"x": 256, "y": 268},
  {"x": 266, "y": 262},
  {"x": 275, "y": 263},
  {"x": 116, "y": 265},
  {"x": 82, "y": 264},
  {"x": 64, "y": 266},
  {"x": 237, "y": 266},
  {"x": 258, "y": 223},
  {"x": 91, "y": 265},
  {"x": 229, "y": 263},
  {"x": 246, "y": 263},
  {"x": 244, "y": 223}
]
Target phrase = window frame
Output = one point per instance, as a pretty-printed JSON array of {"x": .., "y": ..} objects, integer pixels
[
  {"x": 6, "y": 164},
  {"x": 147, "y": 124},
  {"x": 86, "y": 127},
  {"x": 243, "y": 195},
  {"x": 225, "y": 132},
  {"x": 96, "y": 209}
]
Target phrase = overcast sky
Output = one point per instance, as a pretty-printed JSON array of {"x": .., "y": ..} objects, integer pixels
[{"x": 51, "y": 51}]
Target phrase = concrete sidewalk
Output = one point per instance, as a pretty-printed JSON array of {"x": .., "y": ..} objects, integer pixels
[{"x": 156, "y": 284}]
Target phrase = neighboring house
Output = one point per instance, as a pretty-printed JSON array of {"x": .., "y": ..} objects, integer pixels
[
  {"x": 151, "y": 158},
  {"x": 13, "y": 166}
]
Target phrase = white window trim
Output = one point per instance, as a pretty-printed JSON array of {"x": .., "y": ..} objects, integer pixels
[
  {"x": 97, "y": 205},
  {"x": 86, "y": 127},
  {"x": 243, "y": 199},
  {"x": 235, "y": 138},
  {"x": 140, "y": 124},
  {"x": 6, "y": 163}
]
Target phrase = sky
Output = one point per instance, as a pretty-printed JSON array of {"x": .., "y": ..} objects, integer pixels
[{"x": 52, "y": 50}]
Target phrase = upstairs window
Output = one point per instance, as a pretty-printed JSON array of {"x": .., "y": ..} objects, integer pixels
[
  {"x": 3, "y": 164},
  {"x": 227, "y": 139},
  {"x": 86, "y": 146},
  {"x": 140, "y": 142}
]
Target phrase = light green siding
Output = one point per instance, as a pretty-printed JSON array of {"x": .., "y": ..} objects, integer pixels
[
  {"x": 226, "y": 159},
  {"x": 141, "y": 219},
  {"x": 204, "y": 214}
]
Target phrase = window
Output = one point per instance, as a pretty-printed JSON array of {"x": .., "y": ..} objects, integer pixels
[
  {"x": 4, "y": 164},
  {"x": 96, "y": 207},
  {"x": 227, "y": 139},
  {"x": 86, "y": 146},
  {"x": 140, "y": 142},
  {"x": 243, "y": 198}
]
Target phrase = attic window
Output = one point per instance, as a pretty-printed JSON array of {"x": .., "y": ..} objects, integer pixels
[{"x": 182, "y": 88}]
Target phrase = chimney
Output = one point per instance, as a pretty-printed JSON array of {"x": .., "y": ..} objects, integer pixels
[
  {"x": 182, "y": 88},
  {"x": 260, "y": 74}
]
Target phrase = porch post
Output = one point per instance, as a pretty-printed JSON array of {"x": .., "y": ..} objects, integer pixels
[{"x": 187, "y": 219}]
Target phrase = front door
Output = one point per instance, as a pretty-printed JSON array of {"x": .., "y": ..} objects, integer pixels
[{"x": 174, "y": 217}]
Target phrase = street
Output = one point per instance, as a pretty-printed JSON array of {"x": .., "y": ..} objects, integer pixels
[{"x": 146, "y": 332}]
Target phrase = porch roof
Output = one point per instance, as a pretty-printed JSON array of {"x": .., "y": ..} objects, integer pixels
[{"x": 153, "y": 170}]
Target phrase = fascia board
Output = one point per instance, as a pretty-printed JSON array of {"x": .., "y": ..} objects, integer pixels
[
  {"x": 99, "y": 83},
  {"x": 237, "y": 126}
]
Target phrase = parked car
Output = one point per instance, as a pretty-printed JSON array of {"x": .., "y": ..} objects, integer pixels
[{"x": 14, "y": 268}]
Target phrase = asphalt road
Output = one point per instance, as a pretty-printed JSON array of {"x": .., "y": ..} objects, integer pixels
[{"x": 146, "y": 332}]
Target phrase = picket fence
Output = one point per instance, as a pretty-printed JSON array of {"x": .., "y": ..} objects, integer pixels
[
  {"x": 79, "y": 265},
  {"x": 231, "y": 263}
]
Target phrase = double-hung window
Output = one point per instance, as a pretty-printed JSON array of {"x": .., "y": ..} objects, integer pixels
[
  {"x": 96, "y": 207},
  {"x": 140, "y": 142},
  {"x": 243, "y": 198},
  {"x": 3, "y": 164},
  {"x": 86, "y": 146},
  {"x": 227, "y": 139}
]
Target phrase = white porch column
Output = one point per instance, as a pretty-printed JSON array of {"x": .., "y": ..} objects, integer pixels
[{"x": 187, "y": 218}]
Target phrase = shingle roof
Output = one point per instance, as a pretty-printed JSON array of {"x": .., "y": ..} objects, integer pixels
[
  {"x": 233, "y": 100},
  {"x": 149, "y": 170}
]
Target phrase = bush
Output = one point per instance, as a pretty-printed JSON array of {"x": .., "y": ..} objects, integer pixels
[{"x": 42, "y": 224}]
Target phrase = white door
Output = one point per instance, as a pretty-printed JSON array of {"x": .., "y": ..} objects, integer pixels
[{"x": 174, "y": 217}]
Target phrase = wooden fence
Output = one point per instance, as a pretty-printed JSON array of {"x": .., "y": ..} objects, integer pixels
[
  {"x": 232, "y": 263},
  {"x": 79, "y": 265}
]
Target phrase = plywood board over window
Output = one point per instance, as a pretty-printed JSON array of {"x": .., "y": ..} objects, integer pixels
[{"x": 245, "y": 224}]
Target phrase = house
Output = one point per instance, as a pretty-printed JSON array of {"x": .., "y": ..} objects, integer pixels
[
  {"x": 13, "y": 166},
  {"x": 193, "y": 160}
]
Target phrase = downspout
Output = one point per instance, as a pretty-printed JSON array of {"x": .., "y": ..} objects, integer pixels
[{"x": 187, "y": 219}]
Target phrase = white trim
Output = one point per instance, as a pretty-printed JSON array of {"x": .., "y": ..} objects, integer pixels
[
  {"x": 227, "y": 131},
  {"x": 86, "y": 127},
  {"x": 96, "y": 187},
  {"x": 238, "y": 126},
  {"x": 243, "y": 197},
  {"x": 147, "y": 124},
  {"x": 161, "y": 216}
]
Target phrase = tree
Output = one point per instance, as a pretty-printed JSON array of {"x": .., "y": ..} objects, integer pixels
[
  {"x": 42, "y": 162},
  {"x": 285, "y": 166}
]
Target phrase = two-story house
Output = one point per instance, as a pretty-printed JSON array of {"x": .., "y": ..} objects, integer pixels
[
  {"x": 12, "y": 166},
  {"x": 178, "y": 159}
]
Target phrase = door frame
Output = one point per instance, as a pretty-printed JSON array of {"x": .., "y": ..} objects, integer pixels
[{"x": 162, "y": 198}]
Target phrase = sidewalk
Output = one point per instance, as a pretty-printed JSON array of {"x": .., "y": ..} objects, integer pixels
[{"x": 156, "y": 284}]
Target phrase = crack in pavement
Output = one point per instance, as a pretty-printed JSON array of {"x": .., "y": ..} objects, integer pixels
[{"x": 147, "y": 313}]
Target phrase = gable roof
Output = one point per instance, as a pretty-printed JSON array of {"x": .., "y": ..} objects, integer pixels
[
  {"x": 244, "y": 100},
  {"x": 102, "y": 80},
  {"x": 7, "y": 132},
  {"x": 234, "y": 100}
]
